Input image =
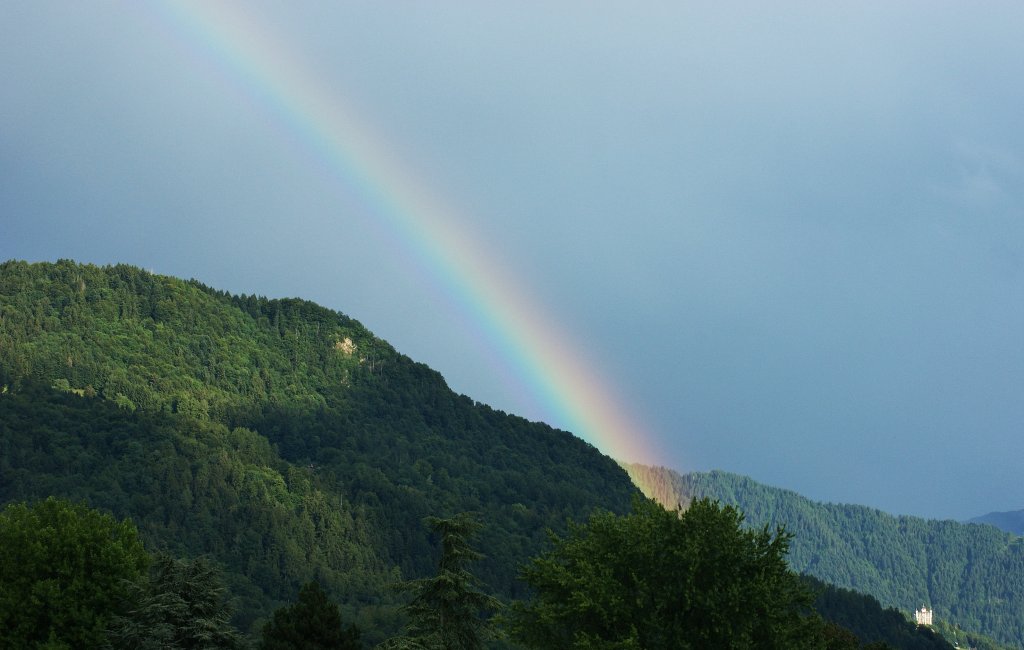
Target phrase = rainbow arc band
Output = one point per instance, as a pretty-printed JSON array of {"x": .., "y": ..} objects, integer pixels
[{"x": 223, "y": 35}]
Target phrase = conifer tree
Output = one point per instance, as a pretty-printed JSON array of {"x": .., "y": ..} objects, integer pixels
[
  {"x": 311, "y": 623},
  {"x": 182, "y": 605},
  {"x": 445, "y": 610}
]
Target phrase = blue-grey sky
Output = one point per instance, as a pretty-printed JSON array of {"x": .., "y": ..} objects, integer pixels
[{"x": 791, "y": 237}]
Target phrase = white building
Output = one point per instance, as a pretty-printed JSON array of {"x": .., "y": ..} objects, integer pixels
[{"x": 923, "y": 616}]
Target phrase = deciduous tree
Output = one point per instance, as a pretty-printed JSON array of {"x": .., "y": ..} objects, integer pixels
[
  {"x": 658, "y": 579},
  {"x": 65, "y": 569}
]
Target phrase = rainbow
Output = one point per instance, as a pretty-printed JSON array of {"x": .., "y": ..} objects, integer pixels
[{"x": 531, "y": 342}]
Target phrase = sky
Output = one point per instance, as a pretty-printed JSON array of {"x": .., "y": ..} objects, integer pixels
[{"x": 785, "y": 241}]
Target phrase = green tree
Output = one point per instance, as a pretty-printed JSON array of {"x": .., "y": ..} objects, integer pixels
[
  {"x": 446, "y": 609},
  {"x": 840, "y": 638},
  {"x": 64, "y": 571},
  {"x": 182, "y": 605},
  {"x": 311, "y": 623},
  {"x": 666, "y": 579}
]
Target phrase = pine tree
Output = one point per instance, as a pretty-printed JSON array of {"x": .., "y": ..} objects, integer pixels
[
  {"x": 181, "y": 606},
  {"x": 445, "y": 610},
  {"x": 312, "y": 623}
]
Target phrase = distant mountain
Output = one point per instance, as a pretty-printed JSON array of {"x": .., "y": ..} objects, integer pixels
[
  {"x": 969, "y": 575},
  {"x": 1011, "y": 522}
]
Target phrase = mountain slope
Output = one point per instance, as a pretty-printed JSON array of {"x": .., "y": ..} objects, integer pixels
[
  {"x": 968, "y": 574},
  {"x": 278, "y": 437},
  {"x": 869, "y": 621},
  {"x": 268, "y": 433},
  {"x": 1010, "y": 522},
  {"x": 193, "y": 488}
]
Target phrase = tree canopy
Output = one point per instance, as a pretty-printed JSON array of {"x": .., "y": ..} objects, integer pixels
[
  {"x": 279, "y": 438},
  {"x": 311, "y": 623},
  {"x": 65, "y": 569},
  {"x": 287, "y": 443},
  {"x": 956, "y": 569},
  {"x": 182, "y": 605},
  {"x": 657, "y": 579}
]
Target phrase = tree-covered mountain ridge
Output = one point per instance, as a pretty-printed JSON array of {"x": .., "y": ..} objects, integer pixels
[
  {"x": 281, "y": 438},
  {"x": 971, "y": 575},
  {"x": 1011, "y": 522},
  {"x": 158, "y": 343}
]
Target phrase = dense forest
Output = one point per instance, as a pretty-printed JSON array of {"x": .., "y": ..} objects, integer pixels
[
  {"x": 657, "y": 579},
  {"x": 865, "y": 618},
  {"x": 280, "y": 437},
  {"x": 283, "y": 442},
  {"x": 970, "y": 575}
]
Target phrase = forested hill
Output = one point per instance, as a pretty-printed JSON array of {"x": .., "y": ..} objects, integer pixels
[
  {"x": 280, "y": 437},
  {"x": 970, "y": 575},
  {"x": 1011, "y": 522}
]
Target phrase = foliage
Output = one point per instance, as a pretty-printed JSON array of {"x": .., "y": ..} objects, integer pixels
[
  {"x": 287, "y": 443},
  {"x": 840, "y": 638},
  {"x": 666, "y": 579},
  {"x": 970, "y": 574},
  {"x": 962, "y": 639},
  {"x": 64, "y": 570},
  {"x": 311, "y": 623},
  {"x": 195, "y": 489},
  {"x": 445, "y": 610},
  {"x": 280, "y": 438},
  {"x": 1010, "y": 522},
  {"x": 181, "y": 605},
  {"x": 863, "y": 617}
]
